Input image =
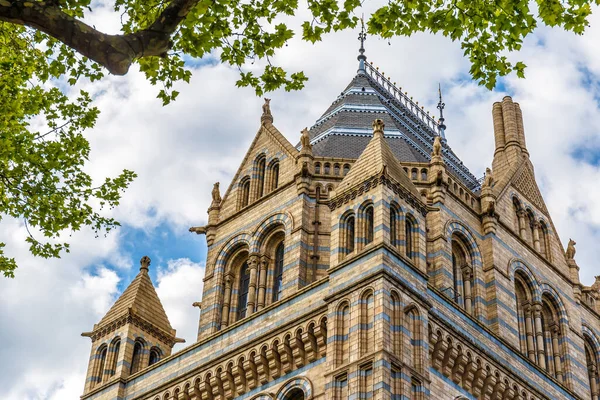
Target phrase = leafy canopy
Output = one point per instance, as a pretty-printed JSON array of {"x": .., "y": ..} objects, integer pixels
[{"x": 46, "y": 46}]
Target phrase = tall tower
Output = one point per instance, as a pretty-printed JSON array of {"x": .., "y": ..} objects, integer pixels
[{"x": 134, "y": 334}]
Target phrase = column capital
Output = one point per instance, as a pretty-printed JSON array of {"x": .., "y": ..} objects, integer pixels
[{"x": 253, "y": 260}]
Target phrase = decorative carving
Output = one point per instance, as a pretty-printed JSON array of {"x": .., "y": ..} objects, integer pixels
[
  {"x": 525, "y": 183},
  {"x": 305, "y": 140},
  {"x": 570, "y": 253},
  {"x": 437, "y": 147},
  {"x": 145, "y": 263},
  {"x": 216, "y": 194},
  {"x": 266, "y": 115},
  {"x": 488, "y": 181},
  {"x": 378, "y": 126}
]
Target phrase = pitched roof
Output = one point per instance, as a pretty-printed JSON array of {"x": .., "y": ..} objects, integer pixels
[
  {"x": 141, "y": 297},
  {"x": 344, "y": 130},
  {"x": 376, "y": 156}
]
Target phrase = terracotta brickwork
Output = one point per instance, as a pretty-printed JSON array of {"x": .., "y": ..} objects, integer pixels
[{"x": 333, "y": 277}]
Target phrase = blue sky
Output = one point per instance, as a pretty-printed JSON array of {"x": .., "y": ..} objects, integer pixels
[{"x": 179, "y": 151}]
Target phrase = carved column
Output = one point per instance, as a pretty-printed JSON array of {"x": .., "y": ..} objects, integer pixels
[
  {"x": 262, "y": 282},
  {"x": 467, "y": 281},
  {"x": 536, "y": 236},
  {"x": 522, "y": 231},
  {"x": 556, "y": 352},
  {"x": 252, "y": 265},
  {"x": 593, "y": 384},
  {"x": 529, "y": 332},
  {"x": 539, "y": 335},
  {"x": 226, "y": 302}
]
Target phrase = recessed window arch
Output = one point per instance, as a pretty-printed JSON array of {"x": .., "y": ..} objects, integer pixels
[
  {"x": 552, "y": 337},
  {"x": 261, "y": 163},
  {"x": 423, "y": 174},
  {"x": 462, "y": 273},
  {"x": 394, "y": 224},
  {"x": 414, "y": 173},
  {"x": 327, "y": 169},
  {"x": 368, "y": 223},
  {"x": 336, "y": 169},
  {"x": 243, "y": 288},
  {"x": 101, "y": 355},
  {"x": 273, "y": 175},
  {"x": 347, "y": 229},
  {"x": 591, "y": 358},
  {"x": 294, "y": 394},
  {"x": 317, "y": 168},
  {"x": 346, "y": 169},
  {"x": 136, "y": 359},
  {"x": 278, "y": 275},
  {"x": 244, "y": 192},
  {"x": 115, "y": 348},
  {"x": 525, "y": 316},
  {"x": 342, "y": 333},
  {"x": 154, "y": 356},
  {"x": 411, "y": 236},
  {"x": 545, "y": 247}
]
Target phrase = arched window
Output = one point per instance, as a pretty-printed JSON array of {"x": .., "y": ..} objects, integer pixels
[
  {"x": 462, "y": 272},
  {"x": 327, "y": 168},
  {"x": 414, "y": 338},
  {"x": 101, "y": 361},
  {"x": 244, "y": 283},
  {"x": 410, "y": 232},
  {"x": 317, "y": 168},
  {"x": 115, "y": 348},
  {"x": 278, "y": 278},
  {"x": 531, "y": 224},
  {"x": 154, "y": 356},
  {"x": 552, "y": 338},
  {"x": 591, "y": 359},
  {"x": 294, "y": 394},
  {"x": 423, "y": 174},
  {"x": 396, "y": 324},
  {"x": 342, "y": 334},
  {"x": 347, "y": 233},
  {"x": 367, "y": 321},
  {"x": 545, "y": 241},
  {"x": 336, "y": 169},
  {"x": 368, "y": 224},
  {"x": 136, "y": 360},
  {"x": 393, "y": 226},
  {"x": 525, "y": 315},
  {"x": 244, "y": 192},
  {"x": 274, "y": 176},
  {"x": 414, "y": 174},
  {"x": 260, "y": 175},
  {"x": 346, "y": 169}
]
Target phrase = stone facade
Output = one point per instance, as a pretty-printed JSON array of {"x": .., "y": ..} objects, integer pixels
[{"x": 380, "y": 269}]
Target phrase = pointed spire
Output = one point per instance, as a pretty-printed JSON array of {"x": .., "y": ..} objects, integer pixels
[
  {"x": 362, "y": 36},
  {"x": 375, "y": 159},
  {"x": 266, "y": 117},
  {"x": 440, "y": 107},
  {"x": 140, "y": 298}
]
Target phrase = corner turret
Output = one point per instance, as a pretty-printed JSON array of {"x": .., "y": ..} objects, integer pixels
[{"x": 134, "y": 334}]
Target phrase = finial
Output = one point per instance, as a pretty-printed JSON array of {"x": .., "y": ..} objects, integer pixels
[
  {"x": 362, "y": 36},
  {"x": 266, "y": 115},
  {"x": 216, "y": 195},
  {"x": 305, "y": 140},
  {"x": 378, "y": 126},
  {"x": 145, "y": 263},
  {"x": 440, "y": 107}
]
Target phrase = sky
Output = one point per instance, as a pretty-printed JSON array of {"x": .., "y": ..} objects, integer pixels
[{"x": 179, "y": 151}]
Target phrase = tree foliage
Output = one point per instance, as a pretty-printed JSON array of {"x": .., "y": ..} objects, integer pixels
[{"x": 46, "y": 45}]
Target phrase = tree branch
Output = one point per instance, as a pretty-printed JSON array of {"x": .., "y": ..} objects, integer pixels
[{"x": 115, "y": 52}]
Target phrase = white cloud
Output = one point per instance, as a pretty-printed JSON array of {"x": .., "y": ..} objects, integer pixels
[
  {"x": 179, "y": 285},
  {"x": 179, "y": 151}
]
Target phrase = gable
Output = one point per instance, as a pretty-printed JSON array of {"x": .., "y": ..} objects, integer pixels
[{"x": 271, "y": 144}]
